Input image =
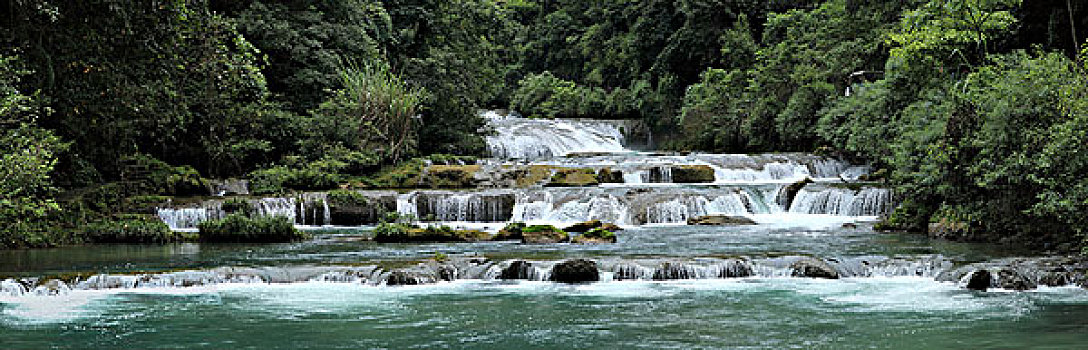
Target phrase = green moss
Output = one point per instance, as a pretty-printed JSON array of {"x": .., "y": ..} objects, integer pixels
[
  {"x": 512, "y": 231},
  {"x": 573, "y": 177},
  {"x": 599, "y": 234},
  {"x": 238, "y": 228},
  {"x": 144, "y": 204},
  {"x": 692, "y": 174},
  {"x": 128, "y": 229},
  {"x": 540, "y": 228},
  {"x": 408, "y": 233},
  {"x": 451, "y": 176}
]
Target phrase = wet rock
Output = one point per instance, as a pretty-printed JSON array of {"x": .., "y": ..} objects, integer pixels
[
  {"x": 543, "y": 234},
  {"x": 850, "y": 226},
  {"x": 1013, "y": 280},
  {"x": 583, "y": 227},
  {"x": 595, "y": 236},
  {"x": 980, "y": 280},
  {"x": 447, "y": 273},
  {"x": 512, "y": 232},
  {"x": 735, "y": 269},
  {"x": 675, "y": 271},
  {"x": 353, "y": 208},
  {"x": 575, "y": 271},
  {"x": 518, "y": 270},
  {"x": 787, "y": 194},
  {"x": 813, "y": 268},
  {"x": 720, "y": 220},
  {"x": 406, "y": 278},
  {"x": 686, "y": 174},
  {"x": 1055, "y": 279},
  {"x": 609, "y": 176}
]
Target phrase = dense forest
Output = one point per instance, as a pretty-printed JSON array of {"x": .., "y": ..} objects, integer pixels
[{"x": 975, "y": 111}]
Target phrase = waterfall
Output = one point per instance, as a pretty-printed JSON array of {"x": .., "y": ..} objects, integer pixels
[
  {"x": 842, "y": 201},
  {"x": 522, "y": 138}
]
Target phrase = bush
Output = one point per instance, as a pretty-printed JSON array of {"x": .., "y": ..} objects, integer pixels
[
  {"x": 279, "y": 179},
  {"x": 236, "y": 228},
  {"x": 408, "y": 233},
  {"x": 128, "y": 229},
  {"x": 237, "y": 206}
]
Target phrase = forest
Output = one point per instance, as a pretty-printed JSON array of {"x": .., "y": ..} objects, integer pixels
[{"x": 974, "y": 111}]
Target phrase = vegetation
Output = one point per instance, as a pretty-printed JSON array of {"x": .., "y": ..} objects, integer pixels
[
  {"x": 237, "y": 228},
  {"x": 410, "y": 233},
  {"x": 973, "y": 110},
  {"x": 129, "y": 229}
]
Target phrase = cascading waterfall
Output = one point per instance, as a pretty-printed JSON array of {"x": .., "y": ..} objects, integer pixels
[
  {"x": 520, "y": 138},
  {"x": 842, "y": 201}
]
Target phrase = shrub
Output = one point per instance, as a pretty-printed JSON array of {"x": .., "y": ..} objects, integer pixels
[
  {"x": 128, "y": 229},
  {"x": 408, "y": 233},
  {"x": 237, "y": 206},
  {"x": 236, "y": 228}
]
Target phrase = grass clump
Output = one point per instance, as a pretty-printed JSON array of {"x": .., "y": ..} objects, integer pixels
[
  {"x": 236, "y": 228},
  {"x": 137, "y": 229}
]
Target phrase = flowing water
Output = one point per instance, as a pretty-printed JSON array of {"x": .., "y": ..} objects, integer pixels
[{"x": 663, "y": 285}]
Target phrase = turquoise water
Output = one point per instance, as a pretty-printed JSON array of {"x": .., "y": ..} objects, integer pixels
[{"x": 749, "y": 313}]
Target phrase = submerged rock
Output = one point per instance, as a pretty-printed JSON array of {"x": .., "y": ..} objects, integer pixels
[
  {"x": 1014, "y": 280},
  {"x": 406, "y": 278},
  {"x": 576, "y": 271},
  {"x": 720, "y": 220},
  {"x": 813, "y": 268}
]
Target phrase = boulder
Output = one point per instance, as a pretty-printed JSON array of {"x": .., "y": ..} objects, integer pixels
[
  {"x": 512, "y": 232},
  {"x": 518, "y": 270},
  {"x": 980, "y": 280},
  {"x": 543, "y": 234},
  {"x": 595, "y": 236},
  {"x": 405, "y": 278},
  {"x": 686, "y": 174},
  {"x": 609, "y": 176},
  {"x": 576, "y": 271},
  {"x": 788, "y": 193},
  {"x": 813, "y": 268},
  {"x": 720, "y": 220}
]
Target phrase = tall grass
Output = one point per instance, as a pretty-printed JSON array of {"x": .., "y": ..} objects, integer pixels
[{"x": 388, "y": 108}]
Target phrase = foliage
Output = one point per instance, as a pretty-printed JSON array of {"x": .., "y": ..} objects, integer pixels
[
  {"x": 128, "y": 229},
  {"x": 237, "y": 228}
]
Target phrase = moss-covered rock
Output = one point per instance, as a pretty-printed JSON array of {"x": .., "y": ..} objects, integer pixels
[
  {"x": 512, "y": 232},
  {"x": 685, "y": 174},
  {"x": 583, "y": 227},
  {"x": 237, "y": 228},
  {"x": 720, "y": 220},
  {"x": 595, "y": 236},
  {"x": 573, "y": 177},
  {"x": 406, "y": 233},
  {"x": 543, "y": 234},
  {"x": 451, "y": 176}
]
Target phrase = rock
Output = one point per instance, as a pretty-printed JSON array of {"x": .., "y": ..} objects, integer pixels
[
  {"x": 609, "y": 176},
  {"x": 452, "y": 176},
  {"x": 352, "y": 208},
  {"x": 404, "y": 278},
  {"x": 518, "y": 270},
  {"x": 576, "y": 271},
  {"x": 813, "y": 268},
  {"x": 543, "y": 234},
  {"x": 229, "y": 187},
  {"x": 1055, "y": 279},
  {"x": 512, "y": 232},
  {"x": 611, "y": 227},
  {"x": 735, "y": 269},
  {"x": 788, "y": 193},
  {"x": 980, "y": 280},
  {"x": 583, "y": 227},
  {"x": 719, "y": 220},
  {"x": 403, "y": 233},
  {"x": 1013, "y": 280},
  {"x": 674, "y": 271},
  {"x": 595, "y": 236},
  {"x": 686, "y": 174},
  {"x": 850, "y": 225},
  {"x": 573, "y": 177}
]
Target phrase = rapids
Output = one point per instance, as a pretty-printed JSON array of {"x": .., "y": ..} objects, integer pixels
[{"x": 664, "y": 284}]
